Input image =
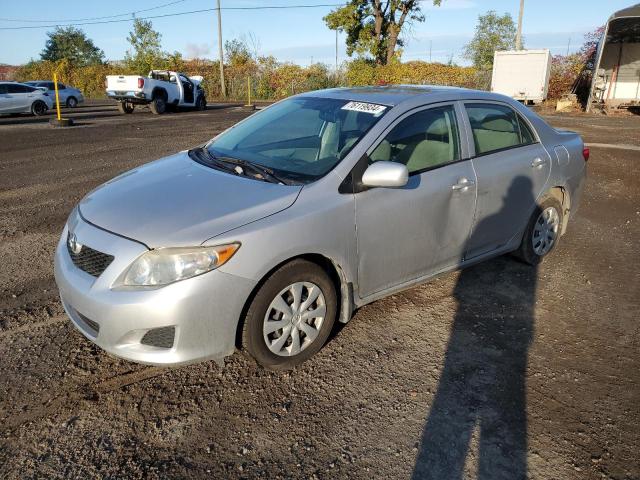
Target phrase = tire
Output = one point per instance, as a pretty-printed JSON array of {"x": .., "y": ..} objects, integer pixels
[
  {"x": 126, "y": 107},
  {"x": 158, "y": 105},
  {"x": 72, "y": 102},
  {"x": 311, "y": 332},
  {"x": 542, "y": 234},
  {"x": 39, "y": 108},
  {"x": 201, "y": 103}
]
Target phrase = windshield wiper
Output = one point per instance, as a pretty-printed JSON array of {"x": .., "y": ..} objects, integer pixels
[
  {"x": 265, "y": 172},
  {"x": 202, "y": 155}
]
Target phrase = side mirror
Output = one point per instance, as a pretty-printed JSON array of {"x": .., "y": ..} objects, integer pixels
[{"x": 385, "y": 174}]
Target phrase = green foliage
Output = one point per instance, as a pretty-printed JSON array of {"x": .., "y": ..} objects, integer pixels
[
  {"x": 364, "y": 72},
  {"x": 71, "y": 43},
  {"x": 493, "y": 32},
  {"x": 237, "y": 52},
  {"x": 146, "y": 53},
  {"x": 373, "y": 27}
]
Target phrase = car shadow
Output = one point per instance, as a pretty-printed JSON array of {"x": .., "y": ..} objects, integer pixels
[{"x": 481, "y": 392}]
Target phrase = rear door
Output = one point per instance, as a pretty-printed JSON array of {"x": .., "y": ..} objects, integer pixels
[
  {"x": 409, "y": 232},
  {"x": 512, "y": 169},
  {"x": 20, "y": 96}
]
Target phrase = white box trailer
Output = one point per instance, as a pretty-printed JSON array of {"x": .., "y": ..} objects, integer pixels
[{"x": 522, "y": 74}]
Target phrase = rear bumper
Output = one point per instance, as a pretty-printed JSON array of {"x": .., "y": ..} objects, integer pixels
[
  {"x": 133, "y": 97},
  {"x": 202, "y": 313}
]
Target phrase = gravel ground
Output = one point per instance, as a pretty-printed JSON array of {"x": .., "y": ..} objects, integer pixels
[{"x": 499, "y": 372}]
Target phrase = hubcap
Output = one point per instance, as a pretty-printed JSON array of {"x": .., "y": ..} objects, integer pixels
[
  {"x": 294, "y": 318},
  {"x": 545, "y": 231}
]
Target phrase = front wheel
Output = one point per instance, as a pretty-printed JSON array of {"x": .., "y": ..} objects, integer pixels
[
  {"x": 542, "y": 233},
  {"x": 201, "y": 104},
  {"x": 72, "y": 102},
  {"x": 291, "y": 316},
  {"x": 126, "y": 107},
  {"x": 39, "y": 108}
]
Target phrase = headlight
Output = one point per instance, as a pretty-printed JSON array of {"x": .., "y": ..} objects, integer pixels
[{"x": 168, "y": 265}]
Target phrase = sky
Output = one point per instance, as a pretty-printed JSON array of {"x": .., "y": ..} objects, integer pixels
[{"x": 296, "y": 35}]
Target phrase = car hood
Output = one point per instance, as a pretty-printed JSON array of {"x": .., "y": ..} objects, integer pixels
[{"x": 178, "y": 202}]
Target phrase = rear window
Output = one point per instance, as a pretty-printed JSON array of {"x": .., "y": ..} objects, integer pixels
[{"x": 497, "y": 127}]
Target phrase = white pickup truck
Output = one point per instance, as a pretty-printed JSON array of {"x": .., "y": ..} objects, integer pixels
[{"x": 161, "y": 90}]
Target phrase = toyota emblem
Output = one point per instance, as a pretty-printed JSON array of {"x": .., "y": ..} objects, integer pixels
[{"x": 73, "y": 243}]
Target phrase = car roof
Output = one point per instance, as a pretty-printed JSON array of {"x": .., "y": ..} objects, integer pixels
[{"x": 392, "y": 95}]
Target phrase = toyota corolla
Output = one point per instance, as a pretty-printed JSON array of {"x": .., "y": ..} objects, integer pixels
[{"x": 287, "y": 222}]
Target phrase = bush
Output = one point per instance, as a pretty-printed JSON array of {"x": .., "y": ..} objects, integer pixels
[
  {"x": 364, "y": 72},
  {"x": 269, "y": 79}
]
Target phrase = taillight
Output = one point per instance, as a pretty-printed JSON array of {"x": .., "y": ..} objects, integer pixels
[
  {"x": 106, "y": 83},
  {"x": 586, "y": 153},
  {"x": 140, "y": 82}
]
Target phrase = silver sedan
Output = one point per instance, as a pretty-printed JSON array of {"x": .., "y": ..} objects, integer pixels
[
  {"x": 69, "y": 96},
  {"x": 287, "y": 222}
]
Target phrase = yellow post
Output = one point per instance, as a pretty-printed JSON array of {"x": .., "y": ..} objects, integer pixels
[
  {"x": 55, "y": 85},
  {"x": 249, "y": 90}
]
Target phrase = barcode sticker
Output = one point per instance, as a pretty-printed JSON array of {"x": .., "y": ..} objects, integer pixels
[{"x": 363, "y": 107}]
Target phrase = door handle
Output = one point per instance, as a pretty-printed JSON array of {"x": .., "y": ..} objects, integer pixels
[
  {"x": 538, "y": 162},
  {"x": 462, "y": 185}
]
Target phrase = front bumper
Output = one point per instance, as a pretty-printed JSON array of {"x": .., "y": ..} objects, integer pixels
[{"x": 203, "y": 311}]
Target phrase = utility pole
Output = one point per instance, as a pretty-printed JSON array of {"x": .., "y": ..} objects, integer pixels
[
  {"x": 430, "y": 49},
  {"x": 220, "y": 54},
  {"x": 519, "y": 32},
  {"x": 568, "y": 46},
  {"x": 336, "y": 51}
]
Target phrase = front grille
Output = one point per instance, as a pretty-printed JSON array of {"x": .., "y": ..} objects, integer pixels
[
  {"x": 94, "y": 326},
  {"x": 159, "y": 337},
  {"x": 89, "y": 260}
]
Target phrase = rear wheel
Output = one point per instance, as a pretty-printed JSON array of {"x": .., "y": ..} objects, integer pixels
[
  {"x": 125, "y": 107},
  {"x": 72, "y": 102},
  {"x": 158, "y": 106},
  {"x": 291, "y": 316},
  {"x": 543, "y": 231},
  {"x": 39, "y": 108}
]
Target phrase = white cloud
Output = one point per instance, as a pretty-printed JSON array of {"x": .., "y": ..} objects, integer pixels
[{"x": 193, "y": 50}]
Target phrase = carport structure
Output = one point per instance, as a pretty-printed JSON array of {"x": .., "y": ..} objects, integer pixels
[{"x": 616, "y": 82}]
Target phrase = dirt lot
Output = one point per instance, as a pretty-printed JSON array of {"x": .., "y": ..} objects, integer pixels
[{"x": 500, "y": 372}]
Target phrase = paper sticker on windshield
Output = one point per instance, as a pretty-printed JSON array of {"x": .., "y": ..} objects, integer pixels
[{"x": 363, "y": 107}]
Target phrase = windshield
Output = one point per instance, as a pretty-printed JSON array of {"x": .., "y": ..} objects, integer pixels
[{"x": 301, "y": 138}]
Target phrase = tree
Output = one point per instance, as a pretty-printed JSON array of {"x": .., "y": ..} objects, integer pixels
[
  {"x": 71, "y": 43},
  {"x": 146, "y": 51},
  {"x": 493, "y": 32},
  {"x": 237, "y": 52},
  {"x": 374, "y": 26}
]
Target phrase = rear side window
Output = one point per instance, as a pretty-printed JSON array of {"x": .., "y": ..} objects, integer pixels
[
  {"x": 3, "y": 88},
  {"x": 497, "y": 127},
  {"x": 17, "y": 88},
  {"x": 422, "y": 141}
]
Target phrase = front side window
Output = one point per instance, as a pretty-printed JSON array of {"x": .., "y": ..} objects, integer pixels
[
  {"x": 497, "y": 127},
  {"x": 422, "y": 141},
  {"x": 300, "y": 138}
]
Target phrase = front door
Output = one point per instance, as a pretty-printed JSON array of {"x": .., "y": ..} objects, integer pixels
[
  {"x": 408, "y": 232},
  {"x": 512, "y": 169}
]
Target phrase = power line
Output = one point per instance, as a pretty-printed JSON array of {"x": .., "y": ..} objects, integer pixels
[
  {"x": 100, "y": 22},
  {"x": 93, "y": 18}
]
